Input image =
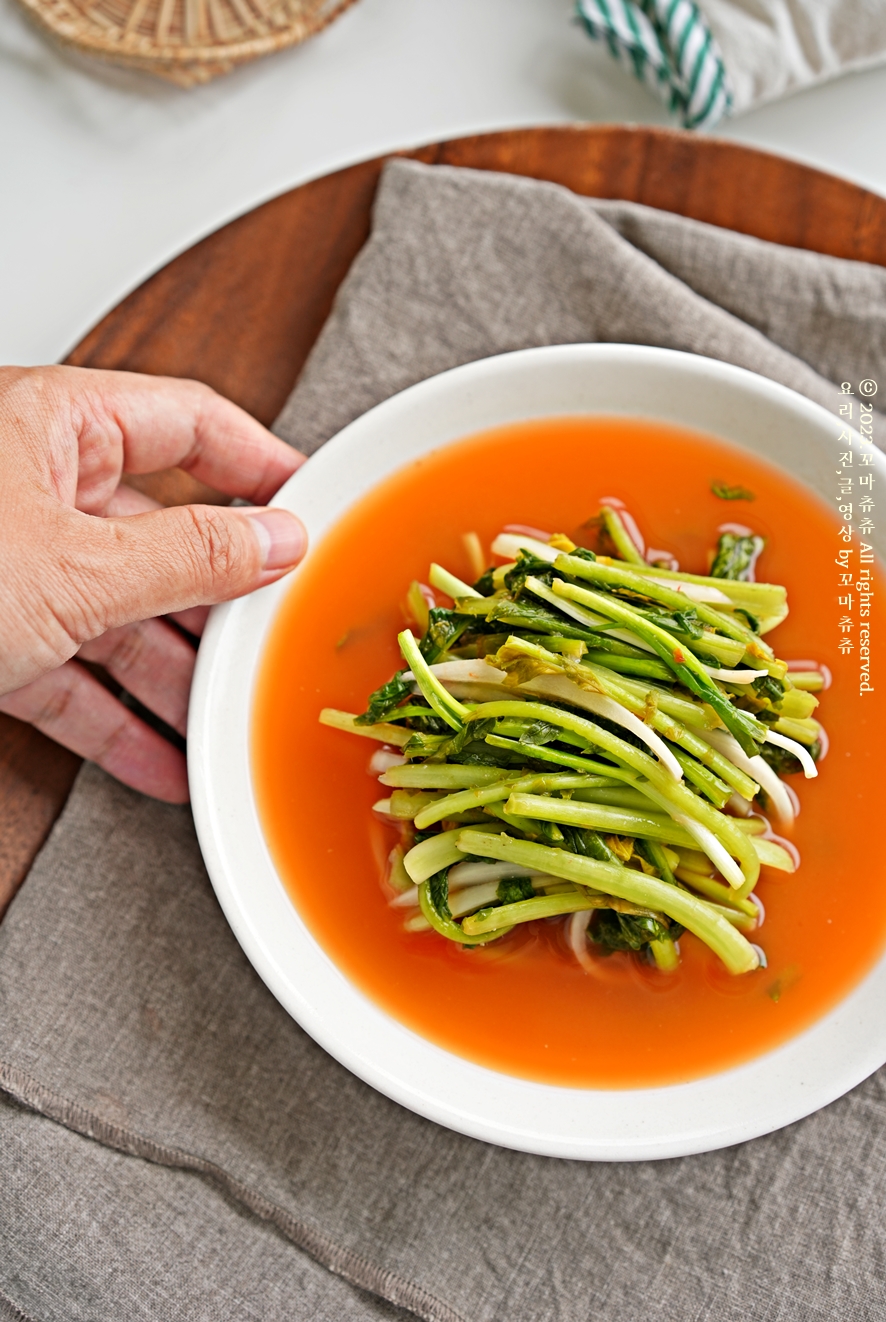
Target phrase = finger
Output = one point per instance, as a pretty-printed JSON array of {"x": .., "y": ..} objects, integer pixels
[
  {"x": 193, "y": 621},
  {"x": 153, "y": 662},
  {"x": 140, "y": 424},
  {"x": 75, "y": 710},
  {"x": 126, "y": 500},
  {"x": 117, "y": 571}
]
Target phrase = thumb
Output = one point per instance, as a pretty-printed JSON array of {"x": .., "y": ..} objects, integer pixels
[{"x": 142, "y": 565}]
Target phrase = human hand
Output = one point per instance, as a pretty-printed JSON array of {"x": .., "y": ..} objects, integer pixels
[{"x": 87, "y": 564}]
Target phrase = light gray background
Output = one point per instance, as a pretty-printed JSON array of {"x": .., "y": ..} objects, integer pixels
[{"x": 106, "y": 175}]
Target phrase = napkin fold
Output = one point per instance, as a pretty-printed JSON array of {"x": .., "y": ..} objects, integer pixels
[
  {"x": 172, "y": 1145},
  {"x": 463, "y": 263},
  {"x": 721, "y": 57}
]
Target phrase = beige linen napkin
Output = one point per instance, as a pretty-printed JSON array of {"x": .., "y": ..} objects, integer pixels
[{"x": 173, "y": 1146}]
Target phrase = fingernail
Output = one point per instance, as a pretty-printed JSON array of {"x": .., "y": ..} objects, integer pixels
[{"x": 281, "y": 536}]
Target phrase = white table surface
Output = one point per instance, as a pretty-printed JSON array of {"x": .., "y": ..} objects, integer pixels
[{"x": 106, "y": 175}]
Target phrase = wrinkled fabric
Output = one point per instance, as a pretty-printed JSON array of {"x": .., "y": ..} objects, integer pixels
[
  {"x": 172, "y": 1145},
  {"x": 488, "y": 263},
  {"x": 117, "y": 1237},
  {"x": 716, "y": 58},
  {"x": 773, "y": 47}
]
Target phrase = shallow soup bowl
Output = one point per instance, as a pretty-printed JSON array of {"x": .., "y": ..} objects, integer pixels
[{"x": 808, "y": 1071}]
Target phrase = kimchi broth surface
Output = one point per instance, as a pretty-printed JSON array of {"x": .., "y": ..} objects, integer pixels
[{"x": 523, "y": 1005}]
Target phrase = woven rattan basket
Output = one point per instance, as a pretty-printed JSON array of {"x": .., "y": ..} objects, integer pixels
[{"x": 184, "y": 41}]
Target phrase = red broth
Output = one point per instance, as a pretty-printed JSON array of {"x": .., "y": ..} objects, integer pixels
[{"x": 523, "y": 1006}]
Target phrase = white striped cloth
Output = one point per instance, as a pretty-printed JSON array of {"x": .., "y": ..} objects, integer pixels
[{"x": 668, "y": 45}]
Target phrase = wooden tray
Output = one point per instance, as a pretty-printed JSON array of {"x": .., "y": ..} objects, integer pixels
[{"x": 241, "y": 310}]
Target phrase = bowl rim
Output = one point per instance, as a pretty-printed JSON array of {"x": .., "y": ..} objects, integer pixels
[{"x": 809, "y": 1071}]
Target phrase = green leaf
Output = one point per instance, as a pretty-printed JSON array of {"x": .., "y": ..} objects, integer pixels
[
  {"x": 424, "y": 745},
  {"x": 685, "y": 622},
  {"x": 384, "y": 700},
  {"x": 723, "y": 491},
  {"x": 525, "y": 614},
  {"x": 587, "y": 843},
  {"x": 539, "y": 733},
  {"x": 736, "y": 556},
  {"x": 438, "y": 889},
  {"x": 752, "y": 620},
  {"x": 526, "y": 565},
  {"x": 444, "y": 629},
  {"x": 468, "y": 734},
  {"x": 513, "y": 889},
  {"x": 481, "y": 755},
  {"x": 419, "y": 717},
  {"x": 621, "y": 931},
  {"x": 769, "y": 688}
]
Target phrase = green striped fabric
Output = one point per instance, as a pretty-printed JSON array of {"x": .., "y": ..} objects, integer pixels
[{"x": 668, "y": 45}]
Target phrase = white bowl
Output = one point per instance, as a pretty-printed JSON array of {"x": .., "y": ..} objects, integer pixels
[{"x": 623, "y": 1125}]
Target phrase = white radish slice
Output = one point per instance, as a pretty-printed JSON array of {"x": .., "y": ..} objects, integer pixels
[
  {"x": 810, "y": 770},
  {"x": 470, "y": 690},
  {"x": 779, "y": 793},
  {"x": 578, "y": 941},
  {"x": 716, "y": 852},
  {"x": 472, "y": 885},
  {"x": 477, "y": 680},
  {"x": 526, "y": 530},
  {"x": 477, "y": 671},
  {"x": 729, "y": 746},
  {"x": 508, "y": 544},
  {"x": 474, "y": 680},
  {"x": 754, "y": 767},
  {"x": 563, "y": 689},
  {"x": 773, "y": 852},
  {"x": 695, "y": 591},
  {"x": 735, "y": 676},
  {"x": 406, "y": 899},
  {"x": 568, "y": 607},
  {"x": 662, "y": 560},
  {"x": 583, "y": 616},
  {"x": 472, "y": 897},
  {"x": 462, "y": 902},
  {"x": 382, "y": 760},
  {"x": 472, "y": 874}
]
